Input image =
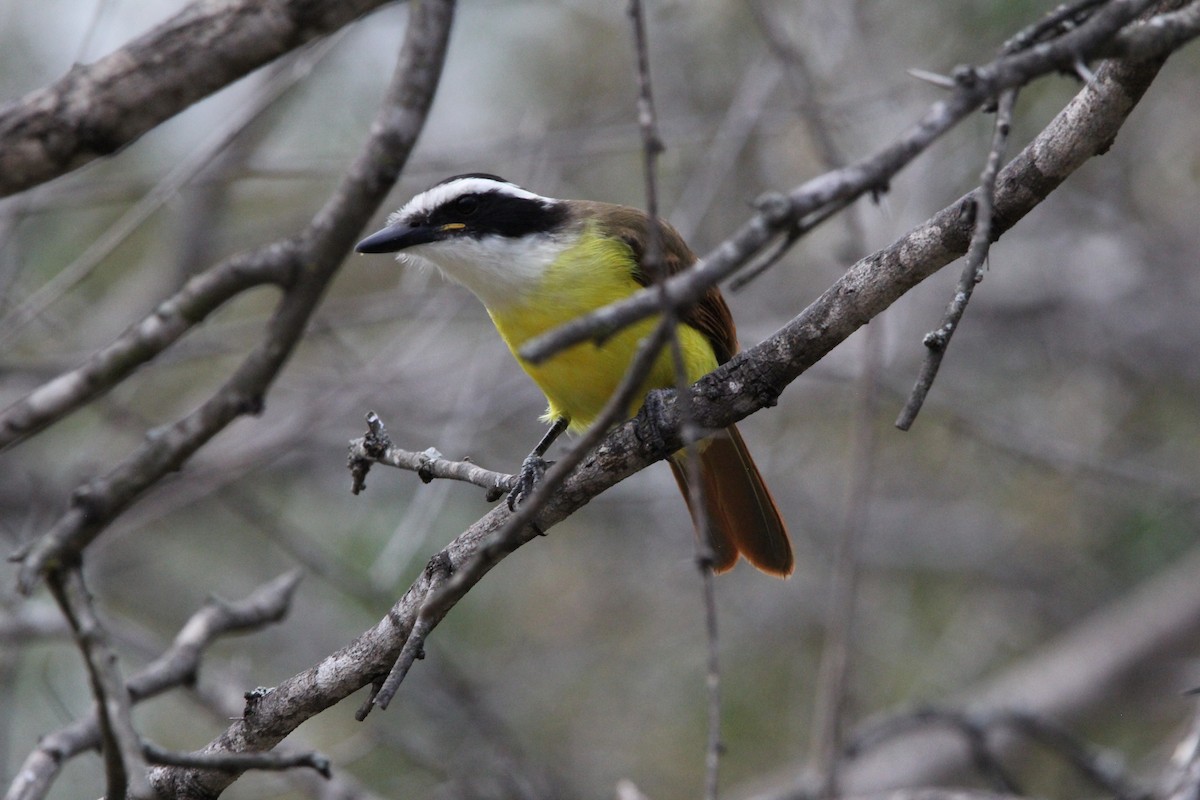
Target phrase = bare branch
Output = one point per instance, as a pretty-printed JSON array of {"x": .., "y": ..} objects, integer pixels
[
  {"x": 979, "y": 730},
  {"x": 276, "y": 83},
  {"x": 473, "y": 553},
  {"x": 177, "y": 666},
  {"x": 327, "y": 239},
  {"x": 1085, "y": 128},
  {"x": 313, "y": 258},
  {"x": 984, "y": 199},
  {"x": 1163, "y": 32},
  {"x": 237, "y": 762},
  {"x": 124, "y": 766},
  {"x": 144, "y": 340},
  {"x": 437, "y": 571},
  {"x": 1063, "y": 679},
  {"x": 96, "y": 109},
  {"x": 977, "y": 85},
  {"x": 377, "y": 448}
]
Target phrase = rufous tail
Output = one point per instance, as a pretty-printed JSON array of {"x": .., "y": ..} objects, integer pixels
[{"x": 742, "y": 516}]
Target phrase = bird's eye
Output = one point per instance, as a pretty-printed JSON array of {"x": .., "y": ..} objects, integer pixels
[{"x": 466, "y": 205}]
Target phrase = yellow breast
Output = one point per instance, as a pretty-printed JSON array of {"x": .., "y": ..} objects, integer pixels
[{"x": 578, "y": 382}]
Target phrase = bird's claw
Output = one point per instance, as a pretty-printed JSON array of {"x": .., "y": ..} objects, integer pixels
[{"x": 532, "y": 470}]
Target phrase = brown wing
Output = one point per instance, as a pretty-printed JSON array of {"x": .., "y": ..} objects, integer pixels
[{"x": 711, "y": 315}]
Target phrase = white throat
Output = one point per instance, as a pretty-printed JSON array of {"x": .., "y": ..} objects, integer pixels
[{"x": 500, "y": 271}]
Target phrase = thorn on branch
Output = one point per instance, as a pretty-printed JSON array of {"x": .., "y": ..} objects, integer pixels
[
  {"x": 934, "y": 78},
  {"x": 1084, "y": 72}
]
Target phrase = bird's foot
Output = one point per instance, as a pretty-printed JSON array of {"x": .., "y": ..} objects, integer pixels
[{"x": 532, "y": 470}]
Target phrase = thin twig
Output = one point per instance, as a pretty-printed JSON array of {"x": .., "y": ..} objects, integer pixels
[
  {"x": 237, "y": 762},
  {"x": 436, "y": 571},
  {"x": 984, "y": 198},
  {"x": 376, "y": 448},
  {"x": 654, "y": 265},
  {"x": 124, "y": 766}
]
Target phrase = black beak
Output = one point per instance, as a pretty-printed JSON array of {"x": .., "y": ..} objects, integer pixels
[{"x": 397, "y": 237}]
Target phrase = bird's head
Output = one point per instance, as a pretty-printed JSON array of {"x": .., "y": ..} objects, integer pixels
[{"x": 482, "y": 231}]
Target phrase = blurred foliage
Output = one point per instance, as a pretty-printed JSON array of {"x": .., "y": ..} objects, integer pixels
[{"x": 1054, "y": 467}]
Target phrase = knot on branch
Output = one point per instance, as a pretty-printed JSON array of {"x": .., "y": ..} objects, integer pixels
[
  {"x": 775, "y": 207},
  {"x": 966, "y": 76},
  {"x": 365, "y": 451},
  {"x": 253, "y": 697}
]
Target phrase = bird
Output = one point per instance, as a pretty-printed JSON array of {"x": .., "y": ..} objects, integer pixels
[{"x": 536, "y": 263}]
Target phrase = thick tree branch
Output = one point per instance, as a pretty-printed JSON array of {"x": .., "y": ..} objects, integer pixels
[{"x": 96, "y": 109}]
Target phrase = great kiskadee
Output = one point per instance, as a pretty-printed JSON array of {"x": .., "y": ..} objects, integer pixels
[{"x": 536, "y": 262}]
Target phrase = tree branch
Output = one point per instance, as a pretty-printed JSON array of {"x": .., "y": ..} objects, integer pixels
[
  {"x": 377, "y": 448},
  {"x": 141, "y": 342},
  {"x": 96, "y": 109},
  {"x": 124, "y": 765},
  {"x": 312, "y": 258},
  {"x": 779, "y": 213},
  {"x": 177, "y": 666},
  {"x": 983, "y": 199}
]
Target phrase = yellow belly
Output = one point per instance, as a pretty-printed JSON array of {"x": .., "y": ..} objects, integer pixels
[{"x": 578, "y": 382}]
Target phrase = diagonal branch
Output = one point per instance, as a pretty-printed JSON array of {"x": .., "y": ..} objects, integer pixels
[
  {"x": 141, "y": 342},
  {"x": 124, "y": 765},
  {"x": 96, "y": 109},
  {"x": 983, "y": 199}
]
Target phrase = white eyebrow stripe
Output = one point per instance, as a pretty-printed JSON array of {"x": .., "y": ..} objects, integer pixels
[{"x": 439, "y": 195}]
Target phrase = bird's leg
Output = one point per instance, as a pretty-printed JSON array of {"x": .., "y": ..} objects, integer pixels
[{"x": 534, "y": 466}]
